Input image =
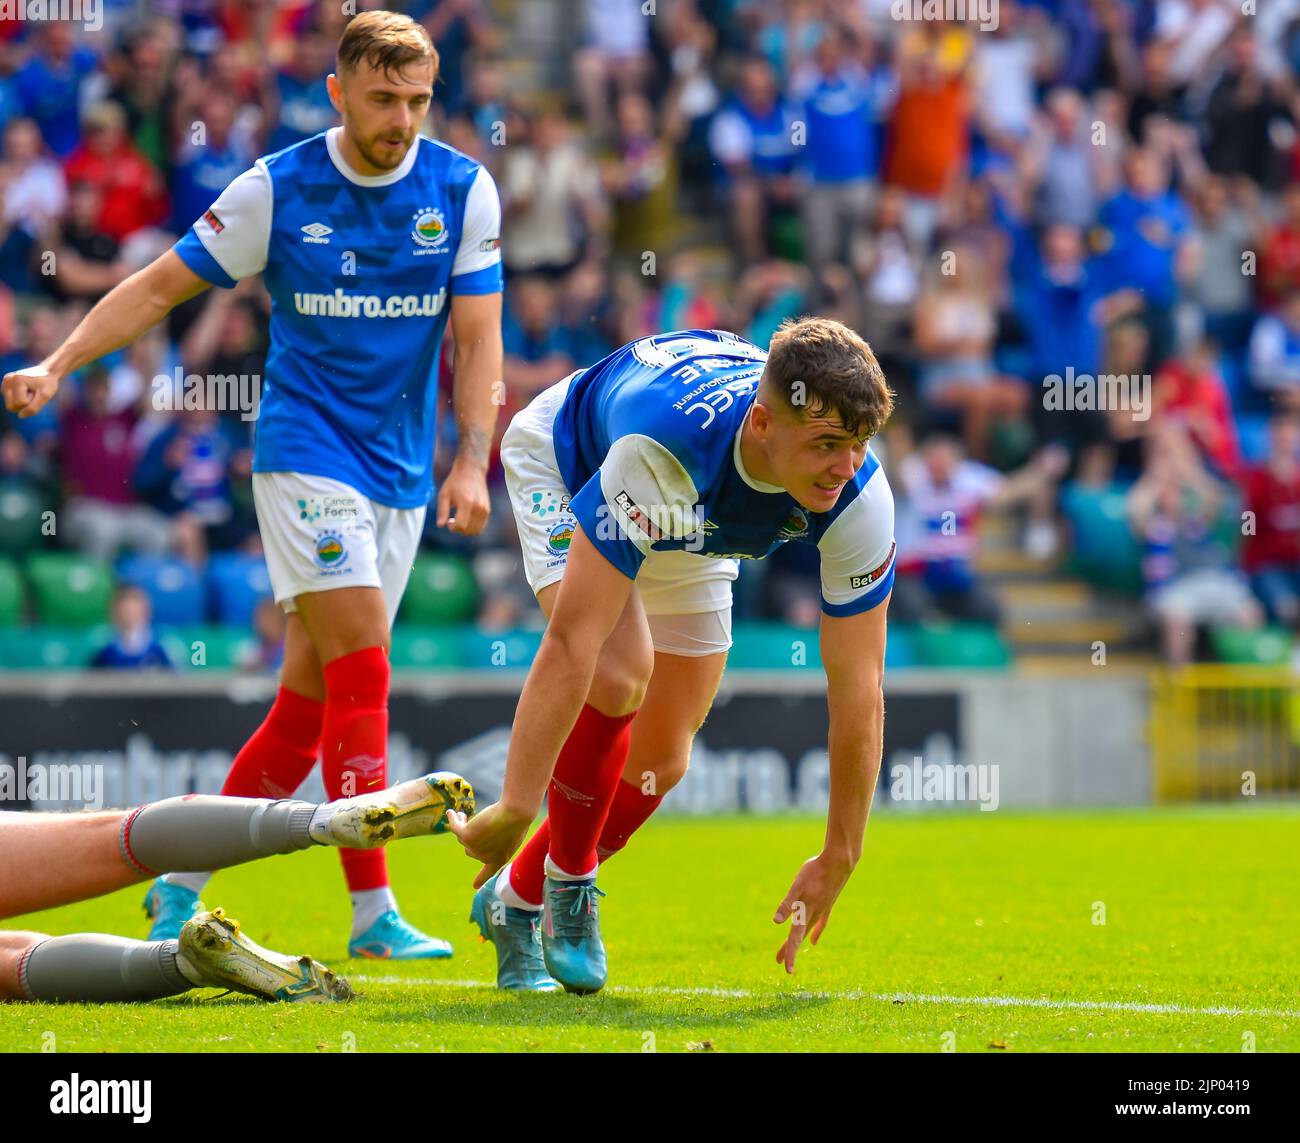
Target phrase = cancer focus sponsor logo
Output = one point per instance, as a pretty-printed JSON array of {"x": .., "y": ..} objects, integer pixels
[
  {"x": 546, "y": 502},
  {"x": 314, "y": 508}
]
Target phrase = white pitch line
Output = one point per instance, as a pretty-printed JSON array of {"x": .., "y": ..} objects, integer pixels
[{"x": 884, "y": 998}]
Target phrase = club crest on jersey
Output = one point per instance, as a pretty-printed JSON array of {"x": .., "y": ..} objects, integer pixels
[
  {"x": 872, "y": 576},
  {"x": 430, "y": 229},
  {"x": 796, "y": 525},
  {"x": 559, "y": 539},
  {"x": 330, "y": 552}
]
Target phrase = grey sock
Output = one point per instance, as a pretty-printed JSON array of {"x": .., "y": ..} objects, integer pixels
[
  {"x": 202, "y": 832},
  {"x": 96, "y": 967}
]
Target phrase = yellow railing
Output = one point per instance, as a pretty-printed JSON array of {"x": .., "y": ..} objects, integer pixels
[{"x": 1220, "y": 731}]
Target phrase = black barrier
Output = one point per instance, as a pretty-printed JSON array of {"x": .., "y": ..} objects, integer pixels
[{"x": 759, "y": 751}]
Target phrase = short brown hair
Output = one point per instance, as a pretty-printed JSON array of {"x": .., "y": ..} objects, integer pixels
[
  {"x": 389, "y": 41},
  {"x": 819, "y": 365}
]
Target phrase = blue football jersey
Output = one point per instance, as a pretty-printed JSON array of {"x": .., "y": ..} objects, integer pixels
[
  {"x": 361, "y": 272},
  {"x": 648, "y": 443}
]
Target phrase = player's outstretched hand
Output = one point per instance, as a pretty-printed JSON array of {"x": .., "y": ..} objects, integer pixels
[
  {"x": 28, "y": 391},
  {"x": 463, "y": 502},
  {"x": 492, "y": 836},
  {"x": 808, "y": 904}
]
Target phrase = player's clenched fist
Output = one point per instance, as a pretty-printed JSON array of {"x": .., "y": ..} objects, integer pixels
[
  {"x": 28, "y": 391},
  {"x": 492, "y": 836}
]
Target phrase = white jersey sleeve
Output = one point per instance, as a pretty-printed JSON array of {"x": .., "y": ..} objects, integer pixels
[
  {"x": 858, "y": 550},
  {"x": 480, "y": 232},
  {"x": 235, "y": 231}
]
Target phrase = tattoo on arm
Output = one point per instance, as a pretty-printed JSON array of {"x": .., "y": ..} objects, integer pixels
[{"x": 475, "y": 444}]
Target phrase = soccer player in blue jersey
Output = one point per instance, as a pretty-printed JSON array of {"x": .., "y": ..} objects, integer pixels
[
  {"x": 368, "y": 237},
  {"x": 637, "y": 484}
]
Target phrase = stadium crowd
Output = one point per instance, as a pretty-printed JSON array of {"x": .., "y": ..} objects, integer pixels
[{"x": 1073, "y": 240}]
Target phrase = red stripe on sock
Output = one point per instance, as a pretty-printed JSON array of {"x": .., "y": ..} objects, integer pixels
[
  {"x": 628, "y": 812},
  {"x": 354, "y": 747}
]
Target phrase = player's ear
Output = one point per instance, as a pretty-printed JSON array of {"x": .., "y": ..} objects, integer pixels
[{"x": 335, "y": 89}]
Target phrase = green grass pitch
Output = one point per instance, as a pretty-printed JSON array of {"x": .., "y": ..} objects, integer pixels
[{"x": 974, "y": 932}]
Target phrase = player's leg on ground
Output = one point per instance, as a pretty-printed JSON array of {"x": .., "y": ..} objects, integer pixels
[
  {"x": 273, "y": 763},
  {"x": 210, "y": 953},
  {"x": 55, "y": 859}
]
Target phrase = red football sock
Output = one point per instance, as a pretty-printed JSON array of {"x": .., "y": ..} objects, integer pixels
[
  {"x": 628, "y": 812},
  {"x": 354, "y": 747},
  {"x": 586, "y": 774},
  {"x": 281, "y": 752}
]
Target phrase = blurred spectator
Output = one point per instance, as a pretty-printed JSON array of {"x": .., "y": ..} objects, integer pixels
[
  {"x": 300, "y": 104},
  {"x": 537, "y": 352},
  {"x": 956, "y": 323},
  {"x": 1271, "y": 554},
  {"x": 132, "y": 195},
  {"x": 1279, "y": 254},
  {"x": 641, "y": 178},
  {"x": 928, "y": 133},
  {"x": 102, "y": 516},
  {"x": 1275, "y": 354},
  {"x": 614, "y": 55},
  {"x": 943, "y": 494},
  {"x": 1243, "y": 115},
  {"x": 1189, "y": 573},
  {"x": 752, "y": 142},
  {"x": 890, "y": 270},
  {"x": 32, "y": 195},
  {"x": 49, "y": 85},
  {"x": 208, "y": 159},
  {"x": 1070, "y": 174},
  {"x": 837, "y": 102},
  {"x": 551, "y": 199},
  {"x": 1223, "y": 233},
  {"x": 456, "y": 27},
  {"x": 187, "y": 473},
  {"x": 267, "y": 655},
  {"x": 133, "y": 646},
  {"x": 1191, "y": 396},
  {"x": 85, "y": 259},
  {"x": 1146, "y": 227},
  {"x": 1010, "y": 61},
  {"x": 1193, "y": 29}
]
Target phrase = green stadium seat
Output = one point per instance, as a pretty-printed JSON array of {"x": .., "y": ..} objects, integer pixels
[
  {"x": 961, "y": 645},
  {"x": 900, "y": 647},
  {"x": 773, "y": 647},
  {"x": 1267, "y": 646},
  {"x": 69, "y": 590},
  {"x": 1105, "y": 551},
  {"x": 20, "y": 519},
  {"x": 216, "y": 648},
  {"x": 11, "y": 594},
  {"x": 425, "y": 648},
  {"x": 49, "y": 648},
  {"x": 441, "y": 591},
  {"x": 500, "y": 650}
]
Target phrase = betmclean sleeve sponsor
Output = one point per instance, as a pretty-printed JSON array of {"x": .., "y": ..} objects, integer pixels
[
  {"x": 641, "y": 494},
  {"x": 477, "y": 268},
  {"x": 230, "y": 241},
  {"x": 857, "y": 548}
]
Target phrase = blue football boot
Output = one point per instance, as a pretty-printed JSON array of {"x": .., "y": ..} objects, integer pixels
[
  {"x": 392, "y": 938},
  {"x": 516, "y": 936},
  {"x": 571, "y": 944},
  {"x": 169, "y": 907}
]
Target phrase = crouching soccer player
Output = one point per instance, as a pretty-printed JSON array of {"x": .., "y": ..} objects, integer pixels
[
  {"x": 369, "y": 237},
  {"x": 55, "y": 859},
  {"x": 637, "y": 483}
]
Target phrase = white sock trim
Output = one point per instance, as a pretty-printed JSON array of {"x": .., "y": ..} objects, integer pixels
[
  {"x": 195, "y": 882},
  {"x": 368, "y": 905},
  {"x": 555, "y": 873},
  {"x": 510, "y": 895}
]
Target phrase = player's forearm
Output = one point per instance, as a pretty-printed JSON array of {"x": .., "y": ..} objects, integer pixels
[
  {"x": 548, "y": 708},
  {"x": 856, "y": 743},
  {"x": 476, "y": 394},
  {"x": 118, "y": 318}
]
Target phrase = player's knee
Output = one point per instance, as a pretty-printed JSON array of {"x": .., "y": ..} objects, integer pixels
[{"x": 621, "y": 679}]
